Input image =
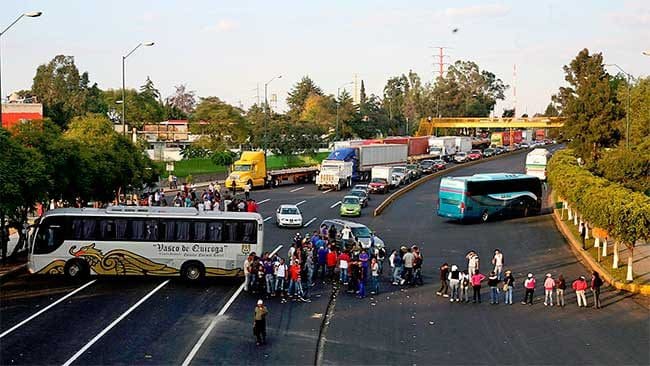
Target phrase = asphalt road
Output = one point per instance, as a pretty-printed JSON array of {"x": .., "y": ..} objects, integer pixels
[{"x": 408, "y": 326}]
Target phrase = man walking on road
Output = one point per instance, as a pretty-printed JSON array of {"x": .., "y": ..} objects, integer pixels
[
  {"x": 259, "y": 322},
  {"x": 247, "y": 191},
  {"x": 580, "y": 285}
]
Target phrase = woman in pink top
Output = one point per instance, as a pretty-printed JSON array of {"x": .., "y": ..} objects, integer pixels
[
  {"x": 549, "y": 285},
  {"x": 476, "y": 280},
  {"x": 529, "y": 285}
]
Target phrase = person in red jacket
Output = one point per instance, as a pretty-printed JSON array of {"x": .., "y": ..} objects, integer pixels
[
  {"x": 476, "y": 280},
  {"x": 580, "y": 285},
  {"x": 332, "y": 258}
]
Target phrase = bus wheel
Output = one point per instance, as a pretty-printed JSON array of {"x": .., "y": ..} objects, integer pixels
[
  {"x": 192, "y": 271},
  {"x": 76, "y": 269},
  {"x": 485, "y": 216}
]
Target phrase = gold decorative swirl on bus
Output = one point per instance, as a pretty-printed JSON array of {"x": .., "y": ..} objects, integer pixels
[
  {"x": 120, "y": 262},
  {"x": 56, "y": 267}
]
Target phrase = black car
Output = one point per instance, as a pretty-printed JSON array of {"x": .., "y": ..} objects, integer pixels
[
  {"x": 427, "y": 166},
  {"x": 489, "y": 152}
]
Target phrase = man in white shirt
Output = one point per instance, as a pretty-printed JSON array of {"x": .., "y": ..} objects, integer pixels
[
  {"x": 346, "y": 235},
  {"x": 497, "y": 260}
]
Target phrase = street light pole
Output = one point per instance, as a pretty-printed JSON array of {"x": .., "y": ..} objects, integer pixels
[
  {"x": 627, "y": 112},
  {"x": 33, "y": 14},
  {"x": 338, "y": 91},
  {"x": 267, "y": 110},
  {"x": 147, "y": 44}
]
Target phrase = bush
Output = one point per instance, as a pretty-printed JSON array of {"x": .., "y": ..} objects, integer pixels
[
  {"x": 625, "y": 214},
  {"x": 223, "y": 158}
]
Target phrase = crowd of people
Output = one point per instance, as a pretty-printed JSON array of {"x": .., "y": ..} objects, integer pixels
[{"x": 456, "y": 284}]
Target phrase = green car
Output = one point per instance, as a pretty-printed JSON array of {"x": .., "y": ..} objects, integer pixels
[{"x": 350, "y": 206}]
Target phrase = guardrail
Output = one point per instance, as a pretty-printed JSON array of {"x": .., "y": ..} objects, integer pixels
[{"x": 397, "y": 194}]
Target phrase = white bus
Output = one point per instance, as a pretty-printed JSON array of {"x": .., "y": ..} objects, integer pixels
[
  {"x": 536, "y": 161},
  {"x": 157, "y": 241}
]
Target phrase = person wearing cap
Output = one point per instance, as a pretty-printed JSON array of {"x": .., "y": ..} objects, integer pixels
[
  {"x": 493, "y": 283},
  {"x": 259, "y": 322},
  {"x": 498, "y": 263},
  {"x": 454, "y": 281},
  {"x": 549, "y": 286},
  {"x": 580, "y": 285},
  {"x": 560, "y": 286},
  {"x": 529, "y": 285},
  {"x": 508, "y": 284}
]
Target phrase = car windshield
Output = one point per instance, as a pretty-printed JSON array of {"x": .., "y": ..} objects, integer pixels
[
  {"x": 289, "y": 211},
  {"x": 461, "y": 154},
  {"x": 243, "y": 168},
  {"x": 360, "y": 187},
  {"x": 351, "y": 200},
  {"x": 427, "y": 163},
  {"x": 358, "y": 193},
  {"x": 361, "y": 232},
  {"x": 439, "y": 162},
  {"x": 399, "y": 170},
  {"x": 476, "y": 151},
  {"x": 378, "y": 180}
]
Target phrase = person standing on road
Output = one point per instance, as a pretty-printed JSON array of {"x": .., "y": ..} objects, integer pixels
[
  {"x": 332, "y": 259},
  {"x": 417, "y": 266},
  {"x": 374, "y": 270},
  {"x": 381, "y": 256},
  {"x": 549, "y": 286},
  {"x": 472, "y": 262},
  {"x": 454, "y": 281},
  {"x": 322, "y": 262},
  {"x": 493, "y": 283},
  {"x": 248, "y": 263},
  {"x": 444, "y": 285},
  {"x": 268, "y": 276},
  {"x": 476, "y": 280},
  {"x": 408, "y": 267},
  {"x": 346, "y": 236},
  {"x": 247, "y": 191},
  {"x": 560, "y": 286},
  {"x": 331, "y": 233},
  {"x": 344, "y": 261},
  {"x": 259, "y": 322},
  {"x": 580, "y": 285},
  {"x": 280, "y": 277},
  {"x": 529, "y": 285},
  {"x": 596, "y": 283},
  {"x": 508, "y": 284},
  {"x": 498, "y": 263},
  {"x": 364, "y": 258},
  {"x": 464, "y": 286},
  {"x": 396, "y": 264}
]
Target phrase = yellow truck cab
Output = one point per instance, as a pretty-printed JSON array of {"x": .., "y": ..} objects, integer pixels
[{"x": 250, "y": 168}]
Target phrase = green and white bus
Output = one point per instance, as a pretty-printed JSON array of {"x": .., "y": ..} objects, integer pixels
[{"x": 156, "y": 241}]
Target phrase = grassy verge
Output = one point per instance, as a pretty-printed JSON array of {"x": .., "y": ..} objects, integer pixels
[
  {"x": 196, "y": 166},
  {"x": 619, "y": 273}
]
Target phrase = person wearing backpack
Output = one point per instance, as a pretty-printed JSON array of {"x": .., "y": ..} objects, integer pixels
[
  {"x": 508, "y": 284},
  {"x": 596, "y": 283},
  {"x": 464, "y": 286},
  {"x": 454, "y": 281}
]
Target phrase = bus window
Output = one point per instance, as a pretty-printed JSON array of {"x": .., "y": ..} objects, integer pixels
[
  {"x": 250, "y": 234},
  {"x": 120, "y": 229},
  {"x": 182, "y": 231},
  {"x": 169, "y": 230},
  {"x": 51, "y": 234},
  {"x": 137, "y": 230},
  {"x": 215, "y": 231},
  {"x": 151, "y": 230},
  {"x": 89, "y": 229},
  {"x": 199, "y": 231},
  {"x": 107, "y": 229}
]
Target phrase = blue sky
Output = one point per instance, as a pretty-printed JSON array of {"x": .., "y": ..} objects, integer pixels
[{"x": 225, "y": 48}]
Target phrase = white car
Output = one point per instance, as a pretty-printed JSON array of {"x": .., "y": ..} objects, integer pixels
[{"x": 288, "y": 216}]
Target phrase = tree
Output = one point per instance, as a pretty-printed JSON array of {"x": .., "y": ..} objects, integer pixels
[
  {"x": 180, "y": 104},
  {"x": 288, "y": 137},
  {"x": 362, "y": 94},
  {"x": 639, "y": 110},
  {"x": 148, "y": 90},
  {"x": 141, "y": 107},
  {"x": 62, "y": 89},
  {"x": 319, "y": 110},
  {"x": 371, "y": 121},
  {"x": 347, "y": 112},
  {"x": 299, "y": 95},
  {"x": 226, "y": 125},
  {"x": 589, "y": 105},
  {"x": 22, "y": 178},
  {"x": 551, "y": 110}
]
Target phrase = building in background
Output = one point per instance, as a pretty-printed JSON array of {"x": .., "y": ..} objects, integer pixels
[{"x": 20, "y": 110}]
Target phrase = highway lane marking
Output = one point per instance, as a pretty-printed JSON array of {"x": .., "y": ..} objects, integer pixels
[
  {"x": 262, "y": 201},
  {"x": 309, "y": 222},
  {"x": 113, "y": 324},
  {"x": 336, "y": 204},
  {"x": 45, "y": 309},
  {"x": 297, "y": 189},
  {"x": 329, "y": 190},
  {"x": 267, "y": 219},
  {"x": 213, "y": 323},
  {"x": 300, "y": 203}
]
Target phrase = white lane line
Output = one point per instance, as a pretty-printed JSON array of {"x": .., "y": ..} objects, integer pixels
[
  {"x": 329, "y": 190},
  {"x": 213, "y": 323},
  {"x": 262, "y": 201},
  {"x": 309, "y": 222},
  {"x": 336, "y": 204},
  {"x": 267, "y": 219},
  {"x": 45, "y": 309},
  {"x": 114, "y": 323},
  {"x": 297, "y": 189},
  {"x": 300, "y": 203}
]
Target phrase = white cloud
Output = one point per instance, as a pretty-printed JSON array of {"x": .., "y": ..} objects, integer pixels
[
  {"x": 223, "y": 25},
  {"x": 473, "y": 11}
]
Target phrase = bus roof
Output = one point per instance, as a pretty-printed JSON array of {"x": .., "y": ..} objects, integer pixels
[
  {"x": 146, "y": 211},
  {"x": 490, "y": 176}
]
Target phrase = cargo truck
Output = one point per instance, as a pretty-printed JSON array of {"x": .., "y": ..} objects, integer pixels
[
  {"x": 536, "y": 162},
  {"x": 349, "y": 164},
  {"x": 251, "y": 169},
  {"x": 444, "y": 147},
  {"x": 463, "y": 144},
  {"x": 503, "y": 138}
]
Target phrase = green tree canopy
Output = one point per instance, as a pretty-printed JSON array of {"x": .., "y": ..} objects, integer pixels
[
  {"x": 225, "y": 124},
  {"x": 299, "y": 94}
]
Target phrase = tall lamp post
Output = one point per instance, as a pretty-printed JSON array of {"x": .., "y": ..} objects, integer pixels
[
  {"x": 147, "y": 44},
  {"x": 33, "y": 14},
  {"x": 266, "y": 105},
  {"x": 338, "y": 91},
  {"x": 627, "y": 112}
]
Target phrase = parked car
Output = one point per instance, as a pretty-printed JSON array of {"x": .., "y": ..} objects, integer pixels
[
  {"x": 427, "y": 166},
  {"x": 363, "y": 196},
  {"x": 488, "y": 152},
  {"x": 361, "y": 233},
  {"x": 379, "y": 185},
  {"x": 461, "y": 157},
  {"x": 474, "y": 155},
  {"x": 439, "y": 164},
  {"x": 288, "y": 216},
  {"x": 350, "y": 206}
]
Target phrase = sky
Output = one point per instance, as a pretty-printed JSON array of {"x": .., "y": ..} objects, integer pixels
[{"x": 229, "y": 48}]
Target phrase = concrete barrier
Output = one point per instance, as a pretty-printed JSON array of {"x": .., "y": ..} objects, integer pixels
[{"x": 382, "y": 206}]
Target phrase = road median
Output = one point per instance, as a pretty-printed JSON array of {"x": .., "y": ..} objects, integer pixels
[{"x": 397, "y": 194}]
